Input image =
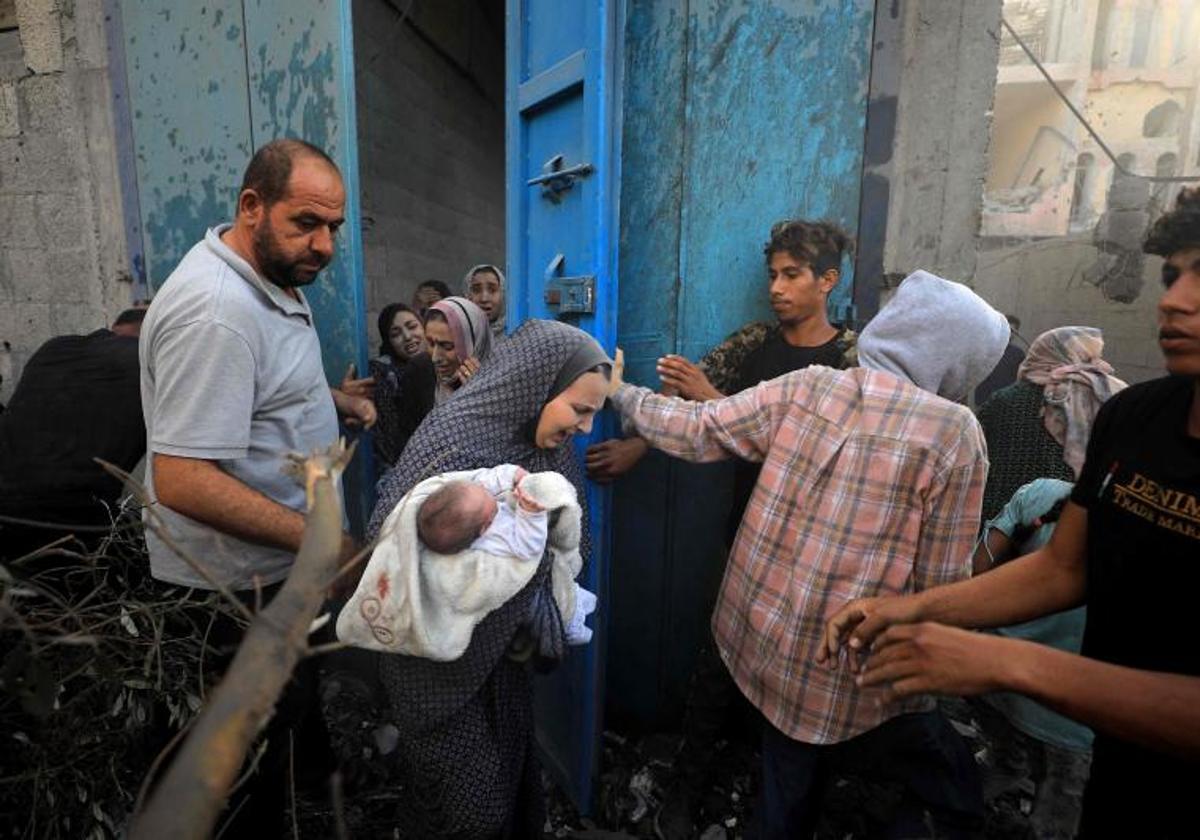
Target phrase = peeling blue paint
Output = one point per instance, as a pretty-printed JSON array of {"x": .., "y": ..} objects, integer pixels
[
  {"x": 301, "y": 85},
  {"x": 190, "y": 115},
  {"x": 717, "y": 144},
  {"x": 179, "y": 221}
]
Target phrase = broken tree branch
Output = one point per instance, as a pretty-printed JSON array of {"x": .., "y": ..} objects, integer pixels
[{"x": 189, "y": 799}]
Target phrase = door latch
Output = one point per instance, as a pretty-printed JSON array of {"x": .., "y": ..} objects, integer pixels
[
  {"x": 555, "y": 180},
  {"x": 569, "y": 295}
]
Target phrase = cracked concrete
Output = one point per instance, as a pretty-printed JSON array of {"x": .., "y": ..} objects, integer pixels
[{"x": 62, "y": 245}]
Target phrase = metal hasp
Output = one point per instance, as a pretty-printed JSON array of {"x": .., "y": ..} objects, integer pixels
[
  {"x": 569, "y": 295},
  {"x": 555, "y": 180}
]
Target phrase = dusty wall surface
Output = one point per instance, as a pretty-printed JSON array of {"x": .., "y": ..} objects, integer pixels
[
  {"x": 430, "y": 91},
  {"x": 62, "y": 247},
  {"x": 948, "y": 76},
  {"x": 1043, "y": 284}
]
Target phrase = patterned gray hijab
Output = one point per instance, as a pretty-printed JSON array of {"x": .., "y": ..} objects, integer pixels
[{"x": 490, "y": 421}]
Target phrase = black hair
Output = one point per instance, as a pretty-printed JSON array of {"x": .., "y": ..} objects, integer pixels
[
  {"x": 821, "y": 244},
  {"x": 1177, "y": 230},
  {"x": 130, "y": 316},
  {"x": 442, "y": 288},
  {"x": 271, "y": 167},
  {"x": 440, "y": 522},
  {"x": 385, "y": 325}
]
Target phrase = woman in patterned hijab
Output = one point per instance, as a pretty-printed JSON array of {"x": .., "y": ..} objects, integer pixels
[
  {"x": 459, "y": 340},
  {"x": 466, "y": 727},
  {"x": 1075, "y": 382}
]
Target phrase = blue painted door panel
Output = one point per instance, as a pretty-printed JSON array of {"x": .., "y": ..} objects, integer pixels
[
  {"x": 300, "y": 59},
  {"x": 776, "y": 118},
  {"x": 190, "y": 110},
  {"x": 208, "y": 83},
  {"x": 561, "y": 106},
  {"x": 736, "y": 115}
]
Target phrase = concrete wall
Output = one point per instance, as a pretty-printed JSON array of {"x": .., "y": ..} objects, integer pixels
[
  {"x": 1042, "y": 283},
  {"x": 62, "y": 247},
  {"x": 947, "y": 76},
  {"x": 431, "y": 141}
]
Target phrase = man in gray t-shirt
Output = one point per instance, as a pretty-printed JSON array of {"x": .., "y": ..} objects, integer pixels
[
  {"x": 232, "y": 382},
  {"x": 232, "y": 379}
]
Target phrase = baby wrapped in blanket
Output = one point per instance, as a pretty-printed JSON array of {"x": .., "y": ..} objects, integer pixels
[{"x": 457, "y": 547}]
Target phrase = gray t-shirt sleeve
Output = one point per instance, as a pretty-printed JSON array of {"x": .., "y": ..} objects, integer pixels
[{"x": 203, "y": 392}]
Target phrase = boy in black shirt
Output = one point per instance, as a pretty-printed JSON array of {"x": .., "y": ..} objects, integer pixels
[{"x": 1128, "y": 545}]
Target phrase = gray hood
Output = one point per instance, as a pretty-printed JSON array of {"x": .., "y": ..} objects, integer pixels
[{"x": 937, "y": 334}]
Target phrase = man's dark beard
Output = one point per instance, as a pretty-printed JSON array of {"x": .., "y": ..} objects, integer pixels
[{"x": 273, "y": 265}]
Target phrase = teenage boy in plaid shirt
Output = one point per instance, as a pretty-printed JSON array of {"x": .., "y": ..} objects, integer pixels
[{"x": 871, "y": 484}]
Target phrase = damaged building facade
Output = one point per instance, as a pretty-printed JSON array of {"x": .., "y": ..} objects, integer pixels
[
  {"x": 64, "y": 265},
  {"x": 1062, "y": 224}
]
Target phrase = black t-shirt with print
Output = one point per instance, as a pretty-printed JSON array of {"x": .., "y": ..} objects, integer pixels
[{"x": 1141, "y": 488}]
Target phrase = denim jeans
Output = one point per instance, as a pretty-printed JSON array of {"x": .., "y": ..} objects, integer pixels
[{"x": 941, "y": 793}]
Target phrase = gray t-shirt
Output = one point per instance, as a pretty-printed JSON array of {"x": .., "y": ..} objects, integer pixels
[{"x": 231, "y": 372}]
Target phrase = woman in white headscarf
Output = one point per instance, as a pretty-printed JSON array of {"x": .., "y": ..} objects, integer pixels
[
  {"x": 484, "y": 285},
  {"x": 459, "y": 339}
]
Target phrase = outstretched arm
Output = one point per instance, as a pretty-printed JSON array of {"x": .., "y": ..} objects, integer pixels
[
  {"x": 1157, "y": 710},
  {"x": 1049, "y": 580},
  {"x": 742, "y": 425}
]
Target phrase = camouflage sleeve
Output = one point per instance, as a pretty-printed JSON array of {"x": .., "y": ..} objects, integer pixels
[
  {"x": 849, "y": 347},
  {"x": 723, "y": 363}
]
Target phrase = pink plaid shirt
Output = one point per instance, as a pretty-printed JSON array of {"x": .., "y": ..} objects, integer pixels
[{"x": 869, "y": 486}]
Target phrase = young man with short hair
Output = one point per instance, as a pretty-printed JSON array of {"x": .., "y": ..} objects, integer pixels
[{"x": 1127, "y": 545}]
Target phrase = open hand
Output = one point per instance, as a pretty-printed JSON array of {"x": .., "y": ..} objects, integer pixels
[
  {"x": 608, "y": 461},
  {"x": 617, "y": 377},
  {"x": 682, "y": 377},
  {"x": 364, "y": 387}
]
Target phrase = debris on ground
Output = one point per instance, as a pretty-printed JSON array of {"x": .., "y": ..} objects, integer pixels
[{"x": 85, "y": 689}]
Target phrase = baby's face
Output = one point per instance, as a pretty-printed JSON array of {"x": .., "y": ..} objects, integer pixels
[{"x": 483, "y": 504}]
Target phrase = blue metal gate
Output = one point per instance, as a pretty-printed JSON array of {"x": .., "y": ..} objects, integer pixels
[
  {"x": 736, "y": 115},
  {"x": 562, "y": 249},
  {"x": 208, "y": 83}
]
